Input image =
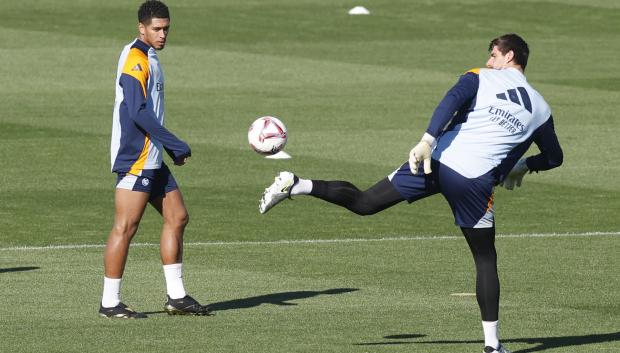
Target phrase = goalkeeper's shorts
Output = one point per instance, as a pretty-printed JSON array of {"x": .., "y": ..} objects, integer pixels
[{"x": 471, "y": 200}]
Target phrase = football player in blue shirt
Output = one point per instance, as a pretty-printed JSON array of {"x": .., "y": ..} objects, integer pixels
[
  {"x": 475, "y": 141},
  {"x": 138, "y": 142}
]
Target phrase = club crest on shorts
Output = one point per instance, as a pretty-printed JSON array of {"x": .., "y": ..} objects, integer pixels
[{"x": 145, "y": 182}]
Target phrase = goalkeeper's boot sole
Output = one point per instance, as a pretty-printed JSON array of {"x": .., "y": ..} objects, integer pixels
[
  {"x": 186, "y": 306},
  {"x": 278, "y": 191},
  {"x": 121, "y": 311}
]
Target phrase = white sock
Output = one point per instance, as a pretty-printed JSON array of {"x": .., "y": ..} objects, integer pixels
[
  {"x": 111, "y": 292},
  {"x": 303, "y": 187},
  {"x": 491, "y": 333},
  {"x": 174, "y": 280}
]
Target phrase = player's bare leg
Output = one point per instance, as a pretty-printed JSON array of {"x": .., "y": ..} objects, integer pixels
[
  {"x": 175, "y": 215},
  {"x": 129, "y": 208}
]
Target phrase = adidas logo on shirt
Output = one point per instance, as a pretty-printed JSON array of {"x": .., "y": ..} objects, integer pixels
[{"x": 514, "y": 97}]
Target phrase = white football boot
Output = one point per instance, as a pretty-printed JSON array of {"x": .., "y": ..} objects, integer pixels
[
  {"x": 501, "y": 349},
  {"x": 278, "y": 191}
]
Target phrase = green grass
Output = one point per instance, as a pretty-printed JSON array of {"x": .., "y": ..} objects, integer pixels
[
  {"x": 356, "y": 93},
  {"x": 328, "y": 297}
]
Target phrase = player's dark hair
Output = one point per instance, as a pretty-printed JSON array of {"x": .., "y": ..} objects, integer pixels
[
  {"x": 152, "y": 9},
  {"x": 513, "y": 42}
]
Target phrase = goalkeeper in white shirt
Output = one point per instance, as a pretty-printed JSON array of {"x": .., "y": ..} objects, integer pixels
[{"x": 475, "y": 141}]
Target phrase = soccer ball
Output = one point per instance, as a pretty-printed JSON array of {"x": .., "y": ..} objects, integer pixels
[{"x": 267, "y": 135}]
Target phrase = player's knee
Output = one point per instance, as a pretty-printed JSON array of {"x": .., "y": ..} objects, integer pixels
[
  {"x": 364, "y": 209},
  {"x": 366, "y": 205},
  {"x": 485, "y": 254},
  {"x": 184, "y": 219},
  {"x": 124, "y": 229},
  {"x": 178, "y": 219},
  {"x": 486, "y": 263}
]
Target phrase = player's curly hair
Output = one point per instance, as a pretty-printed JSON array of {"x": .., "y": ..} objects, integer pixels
[
  {"x": 512, "y": 41},
  {"x": 152, "y": 9}
]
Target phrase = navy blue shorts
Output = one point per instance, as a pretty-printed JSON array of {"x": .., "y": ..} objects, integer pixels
[
  {"x": 471, "y": 200},
  {"x": 156, "y": 182}
]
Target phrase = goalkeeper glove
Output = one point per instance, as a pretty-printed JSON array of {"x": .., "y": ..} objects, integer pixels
[
  {"x": 422, "y": 153},
  {"x": 515, "y": 177}
]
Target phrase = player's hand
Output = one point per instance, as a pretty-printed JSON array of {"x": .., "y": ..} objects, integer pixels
[
  {"x": 421, "y": 153},
  {"x": 181, "y": 160},
  {"x": 515, "y": 177}
]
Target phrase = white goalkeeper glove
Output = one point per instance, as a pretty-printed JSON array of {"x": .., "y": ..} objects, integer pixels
[
  {"x": 515, "y": 177},
  {"x": 421, "y": 153}
]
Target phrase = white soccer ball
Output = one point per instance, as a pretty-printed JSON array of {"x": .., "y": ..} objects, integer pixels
[{"x": 267, "y": 135}]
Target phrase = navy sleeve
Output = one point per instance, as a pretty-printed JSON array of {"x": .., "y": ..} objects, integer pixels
[
  {"x": 551, "y": 155},
  {"x": 464, "y": 90},
  {"x": 145, "y": 119}
]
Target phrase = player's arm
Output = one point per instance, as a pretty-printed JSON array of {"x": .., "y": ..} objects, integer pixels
[
  {"x": 464, "y": 90},
  {"x": 135, "y": 98},
  {"x": 550, "y": 156}
]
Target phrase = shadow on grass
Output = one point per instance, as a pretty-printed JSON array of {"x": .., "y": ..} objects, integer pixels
[
  {"x": 275, "y": 299},
  {"x": 282, "y": 299},
  {"x": 391, "y": 343},
  {"x": 543, "y": 343},
  {"x": 19, "y": 269}
]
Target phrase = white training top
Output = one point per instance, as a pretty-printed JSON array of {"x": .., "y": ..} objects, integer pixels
[
  {"x": 505, "y": 113},
  {"x": 139, "y": 91}
]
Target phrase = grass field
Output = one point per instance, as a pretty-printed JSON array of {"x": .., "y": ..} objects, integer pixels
[{"x": 355, "y": 92}]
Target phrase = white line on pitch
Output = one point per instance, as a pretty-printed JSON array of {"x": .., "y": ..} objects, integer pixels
[{"x": 318, "y": 241}]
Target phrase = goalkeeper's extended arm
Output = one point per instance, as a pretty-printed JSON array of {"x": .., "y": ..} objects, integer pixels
[
  {"x": 464, "y": 90},
  {"x": 421, "y": 153}
]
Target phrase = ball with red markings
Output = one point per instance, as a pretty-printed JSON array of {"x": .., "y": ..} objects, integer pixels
[{"x": 267, "y": 135}]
